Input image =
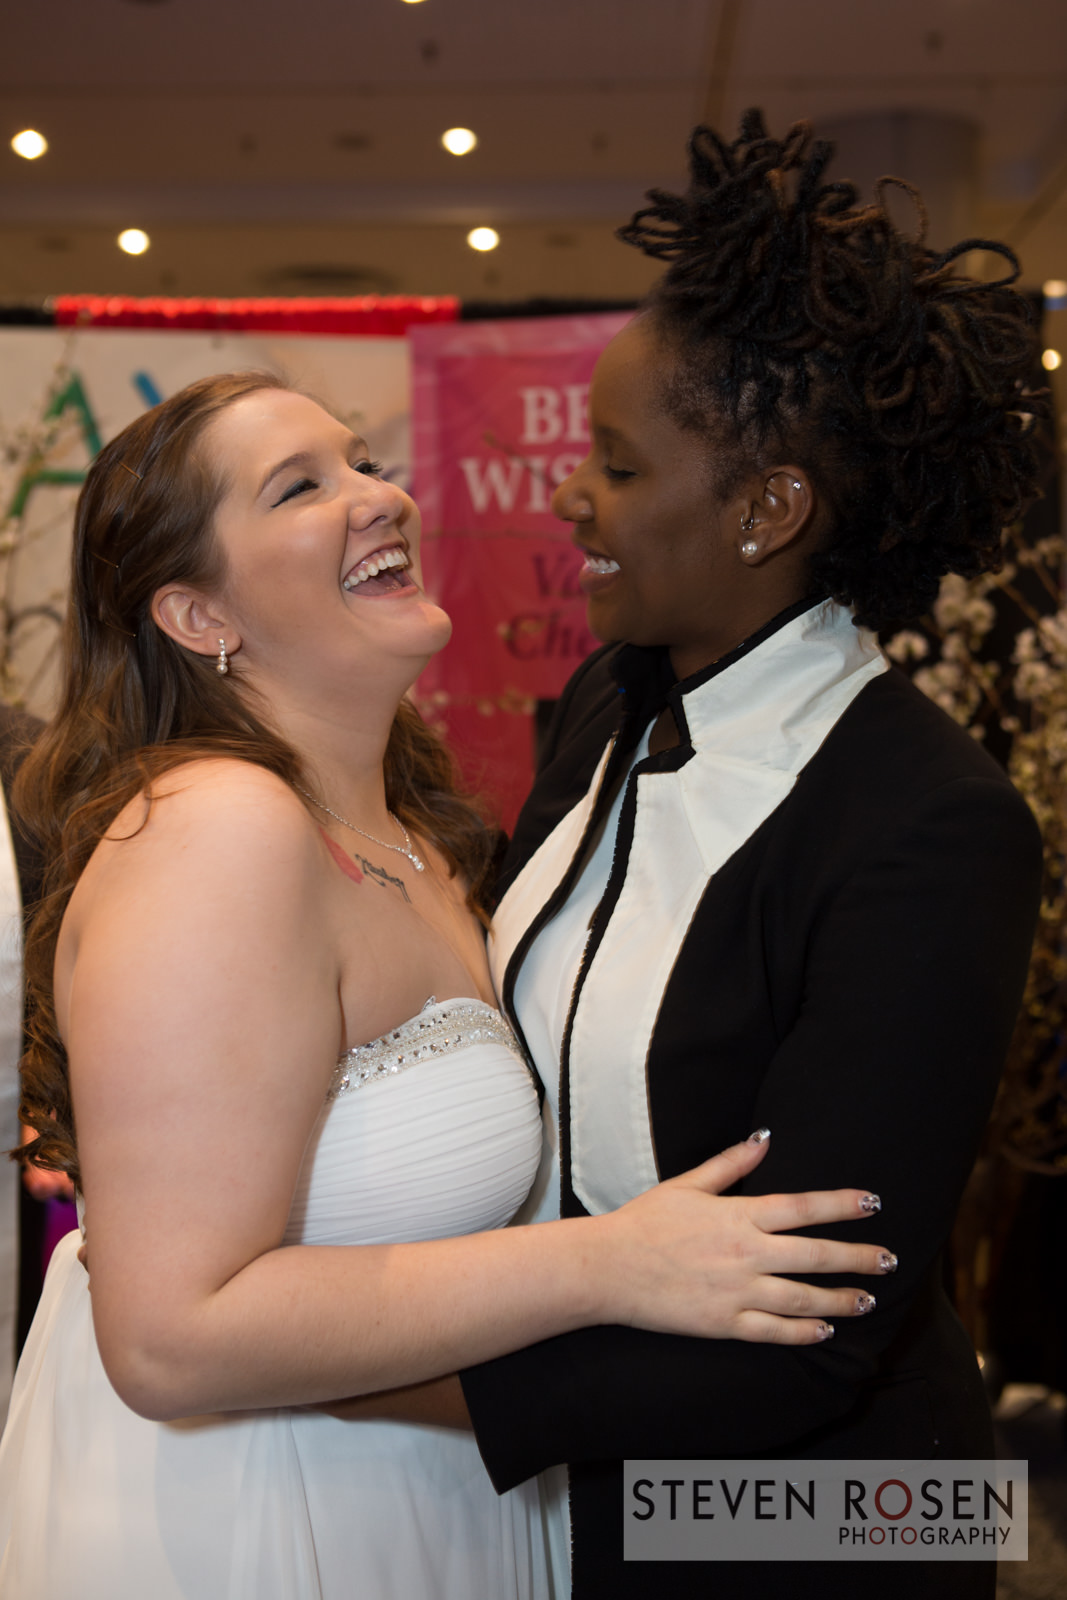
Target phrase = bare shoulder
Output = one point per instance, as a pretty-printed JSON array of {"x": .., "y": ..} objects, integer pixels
[
  {"x": 216, "y": 800},
  {"x": 223, "y": 820},
  {"x": 221, "y": 865},
  {"x": 231, "y": 785}
]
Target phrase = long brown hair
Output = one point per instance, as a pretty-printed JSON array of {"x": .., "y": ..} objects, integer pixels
[{"x": 136, "y": 704}]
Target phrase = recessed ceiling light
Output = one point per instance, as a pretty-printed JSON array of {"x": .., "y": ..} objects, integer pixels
[
  {"x": 459, "y": 141},
  {"x": 134, "y": 241},
  {"x": 413, "y": 2},
  {"x": 1051, "y": 359},
  {"x": 29, "y": 144},
  {"x": 483, "y": 238},
  {"x": 1055, "y": 292}
]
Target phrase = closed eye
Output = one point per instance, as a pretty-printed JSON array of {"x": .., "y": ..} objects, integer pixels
[
  {"x": 617, "y": 474},
  {"x": 299, "y": 487}
]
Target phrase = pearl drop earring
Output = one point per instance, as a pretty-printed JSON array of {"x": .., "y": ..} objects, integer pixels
[{"x": 222, "y": 666}]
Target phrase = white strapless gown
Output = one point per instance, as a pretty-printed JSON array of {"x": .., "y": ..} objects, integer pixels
[{"x": 432, "y": 1130}]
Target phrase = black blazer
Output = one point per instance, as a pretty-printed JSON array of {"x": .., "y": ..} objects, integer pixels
[{"x": 850, "y": 980}]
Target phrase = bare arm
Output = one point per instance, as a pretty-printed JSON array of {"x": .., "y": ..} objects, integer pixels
[{"x": 199, "y": 998}]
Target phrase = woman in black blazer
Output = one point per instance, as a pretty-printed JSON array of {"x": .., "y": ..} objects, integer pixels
[{"x": 761, "y": 879}]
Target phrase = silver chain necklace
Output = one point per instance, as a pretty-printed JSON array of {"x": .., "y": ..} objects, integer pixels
[{"x": 401, "y": 849}]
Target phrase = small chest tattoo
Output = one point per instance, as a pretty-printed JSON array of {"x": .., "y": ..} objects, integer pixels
[{"x": 379, "y": 875}]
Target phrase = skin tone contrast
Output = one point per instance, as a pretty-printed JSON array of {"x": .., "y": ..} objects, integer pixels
[{"x": 228, "y": 895}]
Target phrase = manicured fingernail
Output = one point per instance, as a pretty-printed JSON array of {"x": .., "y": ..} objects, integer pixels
[
  {"x": 887, "y": 1262},
  {"x": 865, "y": 1303},
  {"x": 825, "y": 1330},
  {"x": 760, "y": 1136},
  {"x": 870, "y": 1203}
]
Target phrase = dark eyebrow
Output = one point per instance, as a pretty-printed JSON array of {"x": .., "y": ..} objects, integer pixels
[{"x": 303, "y": 458}]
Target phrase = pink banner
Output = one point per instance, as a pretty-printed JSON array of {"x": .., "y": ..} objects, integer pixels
[{"x": 499, "y": 419}]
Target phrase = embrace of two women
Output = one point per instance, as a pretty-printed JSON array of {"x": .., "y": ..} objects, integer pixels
[{"x": 761, "y": 883}]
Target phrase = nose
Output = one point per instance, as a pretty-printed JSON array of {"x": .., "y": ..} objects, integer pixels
[
  {"x": 570, "y": 500},
  {"x": 375, "y": 500}
]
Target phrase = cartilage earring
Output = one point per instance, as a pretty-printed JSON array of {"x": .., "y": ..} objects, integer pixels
[
  {"x": 797, "y": 485},
  {"x": 222, "y": 666},
  {"x": 750, "y": 548},
  {"x": 749, "y": 522}
]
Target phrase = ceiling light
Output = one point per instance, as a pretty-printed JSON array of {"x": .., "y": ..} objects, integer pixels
[
  {"x": 134, "y": 241},
  {"x": 29, "y": 144},
  {"x": 413, "y": 2},
  {"x": 1055, "y": 292},
  {"x": 1051, "y": 359},
  {"x": 459, "y": 141},
  {"x": 483, "y": 238}
]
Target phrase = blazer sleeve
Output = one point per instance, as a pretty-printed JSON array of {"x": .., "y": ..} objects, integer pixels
[{"x": 913, "y": 975}]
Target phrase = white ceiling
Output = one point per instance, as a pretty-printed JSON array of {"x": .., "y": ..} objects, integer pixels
[{"x": 292, "y": 145}]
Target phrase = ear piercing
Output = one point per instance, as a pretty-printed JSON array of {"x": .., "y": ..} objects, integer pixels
[
  {"x": 750, "y": 548},
  {"x": 222, "y": 666}
]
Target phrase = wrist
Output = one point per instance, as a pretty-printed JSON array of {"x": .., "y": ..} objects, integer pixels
[{"x": 598, "y": 1275}]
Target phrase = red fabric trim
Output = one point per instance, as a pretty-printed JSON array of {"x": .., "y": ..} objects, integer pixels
[
  {"x": 379, "y": 316},
  {"x": 344, "y": 861}
]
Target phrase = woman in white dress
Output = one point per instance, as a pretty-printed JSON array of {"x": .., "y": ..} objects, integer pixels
[{"x": 259, "y": 991}]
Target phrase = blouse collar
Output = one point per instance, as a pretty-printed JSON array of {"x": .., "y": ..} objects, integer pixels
[{"x": 778, "y": 692}]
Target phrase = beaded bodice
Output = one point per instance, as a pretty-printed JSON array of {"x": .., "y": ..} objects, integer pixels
[
  {"x": 440, "y": 1027},
  {"x": 443, "y": 1137}
]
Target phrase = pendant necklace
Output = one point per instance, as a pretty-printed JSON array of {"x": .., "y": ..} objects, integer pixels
[{"x": 401, "y": 849}]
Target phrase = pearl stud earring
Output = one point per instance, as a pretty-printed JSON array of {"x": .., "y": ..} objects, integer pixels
[{"x": 750, "y": 548}]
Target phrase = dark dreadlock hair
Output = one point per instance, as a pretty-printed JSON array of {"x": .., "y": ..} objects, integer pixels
[{"x": 803, "y": 326}]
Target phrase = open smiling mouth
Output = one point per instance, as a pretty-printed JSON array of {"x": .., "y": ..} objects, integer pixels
[{"x": 382, "y": 572}]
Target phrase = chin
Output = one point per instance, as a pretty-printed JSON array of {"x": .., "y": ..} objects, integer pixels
[
  {"x": 440, "y": 624},
  {"x": 610, "y": 628},
  {"x": 429, "y": 639},
  {"x": 601, "y": 624}
]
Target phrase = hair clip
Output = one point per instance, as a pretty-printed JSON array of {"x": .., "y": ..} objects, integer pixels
[
  {"x": 131, "y": 472},
  {"x": 116, "y": 629},
  {"x": 106, "y": 560}
]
